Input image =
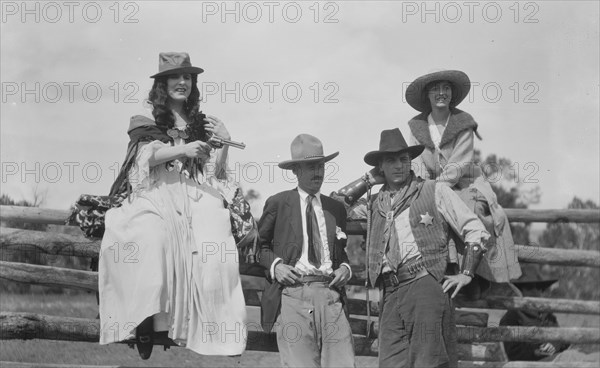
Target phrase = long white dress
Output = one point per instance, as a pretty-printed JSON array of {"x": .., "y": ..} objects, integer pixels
[{"x": 168, "y": 251}]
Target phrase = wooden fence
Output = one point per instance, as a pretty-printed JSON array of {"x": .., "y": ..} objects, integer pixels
[{"x": 478, "y": 343}]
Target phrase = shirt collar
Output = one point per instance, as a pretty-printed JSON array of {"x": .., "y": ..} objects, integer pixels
[{"x": 303, "y": 195}]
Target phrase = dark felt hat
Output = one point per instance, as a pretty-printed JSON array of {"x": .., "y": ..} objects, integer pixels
[
  {"x": 533, "y": 277},
  {"x": 392, "y": 141},
  {"x": 460, "y": 88},
  {"x": 306, "y": 148},
  {"x": 175, "y": 63}
]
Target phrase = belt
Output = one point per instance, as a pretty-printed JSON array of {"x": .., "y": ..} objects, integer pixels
[
  {"x": 404, "y": 275},
  {"x": 304, "y": 279}
]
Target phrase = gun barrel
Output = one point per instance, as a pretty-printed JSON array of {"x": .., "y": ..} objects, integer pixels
[
  {"x": 239, "y": 145},
  {"x": 219, "y": 142}
]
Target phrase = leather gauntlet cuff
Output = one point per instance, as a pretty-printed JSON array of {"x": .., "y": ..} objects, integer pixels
[
  {"x": 473, "y": 254},
  {"x": 353, "y": 191}
]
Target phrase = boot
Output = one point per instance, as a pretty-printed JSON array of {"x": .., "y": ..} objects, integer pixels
[{"x": 145, "y": 341}]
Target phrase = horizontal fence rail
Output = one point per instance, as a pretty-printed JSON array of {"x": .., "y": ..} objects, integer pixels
[
  {"x": 48, "y": 242},
  {"x": 58, "y": 217},
  {"x": 5, "y": 364},
  {"x": 78, "y": 245},
  {"x": 38, "y": 326},
  {"x": 88, "y": 280},
  {"x": 359, "y": 227},
  {"x": 461, "y": 364},
  {"x": 34, "y": 215},
  {"x": 553, "y": 216}
]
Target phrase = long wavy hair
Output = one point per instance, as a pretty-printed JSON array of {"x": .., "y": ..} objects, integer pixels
[{"x": 163, "y": 115}]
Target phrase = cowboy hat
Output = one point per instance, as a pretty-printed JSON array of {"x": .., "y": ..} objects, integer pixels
[
  {"x": 175, "y": 63},
  {"x": 392, "y": 141},
  {"x": 419, "y": 101},
  {"x": 306, "y": 148},
  {"x": 533, "y": 277}
]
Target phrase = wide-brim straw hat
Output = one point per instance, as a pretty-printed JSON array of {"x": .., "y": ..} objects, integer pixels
[
  {"x": 392, "y": 141},
  {"x": 306, "y": 148},
  {"x": 415, "y": 96},
  {"x": 175, "y": 63}
]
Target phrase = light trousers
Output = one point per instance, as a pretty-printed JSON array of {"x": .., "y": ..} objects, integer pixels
[{"x": 312, "y": 329}]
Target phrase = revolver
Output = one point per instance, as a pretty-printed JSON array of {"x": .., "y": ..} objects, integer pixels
[{"x": 217, "y": 142}]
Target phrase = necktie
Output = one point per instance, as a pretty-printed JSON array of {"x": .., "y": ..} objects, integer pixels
[{"x": 314, "y": 237}]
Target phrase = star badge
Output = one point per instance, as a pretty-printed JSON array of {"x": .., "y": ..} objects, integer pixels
[{"x": 426, "y": 219}]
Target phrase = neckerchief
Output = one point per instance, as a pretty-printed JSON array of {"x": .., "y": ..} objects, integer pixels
[{"x": 389, "y": 208}]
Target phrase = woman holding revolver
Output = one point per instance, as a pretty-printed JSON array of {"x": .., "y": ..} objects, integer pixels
[{"x": 168, "y": 261}]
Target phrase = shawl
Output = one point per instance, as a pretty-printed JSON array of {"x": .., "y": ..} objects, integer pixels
[
  {"x": 459, "y": 121},
  {"x": 142, "y": 129}
]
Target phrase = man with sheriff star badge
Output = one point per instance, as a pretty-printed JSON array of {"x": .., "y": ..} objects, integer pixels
[{"x": 411, "y": 222}]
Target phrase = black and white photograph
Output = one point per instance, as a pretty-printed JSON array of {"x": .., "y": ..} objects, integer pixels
[{"x": 361, "y": 183}]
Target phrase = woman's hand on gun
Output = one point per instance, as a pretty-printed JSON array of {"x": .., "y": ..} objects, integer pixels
[
  {"x": 197, "y": 149},
  {"x": 216, "y": 127}
]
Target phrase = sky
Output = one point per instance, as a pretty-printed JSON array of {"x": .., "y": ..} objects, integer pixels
[{"x": 73, "y": 73}]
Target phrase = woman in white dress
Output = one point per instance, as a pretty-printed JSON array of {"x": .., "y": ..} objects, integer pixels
[{"x": 168, "y": 261}]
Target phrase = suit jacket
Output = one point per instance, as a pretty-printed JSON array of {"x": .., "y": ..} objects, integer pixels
[{"x": 280, "y": 230}]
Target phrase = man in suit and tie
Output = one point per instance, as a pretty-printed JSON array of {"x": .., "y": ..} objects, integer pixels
[{"x": 302, "y": 238}]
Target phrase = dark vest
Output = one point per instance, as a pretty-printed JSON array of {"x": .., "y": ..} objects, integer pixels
[{"x": 432, "y": 240}]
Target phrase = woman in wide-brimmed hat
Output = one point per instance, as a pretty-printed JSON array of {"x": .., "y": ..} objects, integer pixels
[
  {"x": 168, "y": 264},
  {"x": 448, "y": 136}
]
